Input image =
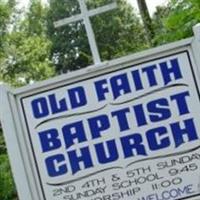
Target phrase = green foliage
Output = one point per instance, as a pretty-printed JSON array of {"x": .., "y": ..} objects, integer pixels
[
  {"x": 27, "y": 59},
  {"x": 117, "y": 32},
  {"x": 177, "y": 20},
  {"x": 146, "y": 19},
  {"x": 2, "y": 144},
  {"x": 6, "y": 9},
  {"x": 162, "y": 12},
  {"x": 68, "y": 40},
  {"x": 27, "y": 50},
  {"x": 7, "y": 187},
  {"x": 24, "y": 57},
  {"x": 185, "y": 14}
]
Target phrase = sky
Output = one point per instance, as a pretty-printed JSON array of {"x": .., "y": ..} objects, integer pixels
[{"x": 150, "y": 3}]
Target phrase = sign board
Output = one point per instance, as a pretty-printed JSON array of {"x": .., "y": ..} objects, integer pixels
[{"x": 127, "y": 130}]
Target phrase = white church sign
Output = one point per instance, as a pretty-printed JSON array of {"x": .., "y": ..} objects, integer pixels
[{"x": 128, "y": 130}]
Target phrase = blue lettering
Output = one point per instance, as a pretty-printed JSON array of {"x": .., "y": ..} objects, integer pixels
[
  {"x": 154, "y": 140},
  {"x": 101, "y": 89},
  {"x": 120, "y": 85},
  {"x": 98, "y": 124},
  {"x": 150, "y": 71},
  {"x": 159, "y": 110},
  {"x": 181, "y": 102},
  {"x": 61, "y": 106},
  {"x": 107, "y": 156},
  {"x": 132, "y": 143},
  {"x": 40, "y": 108},
  {"x": 140, "y": 115},
  {"x": 168, "y": 72},
  {"x": 137, "y": 80},
  {"x": 84, "y": 158},
  {"x": 54, "y": 166},
  {"x": 49, "y": 140},
  {"x": 77, "y": 97},
  {"x": 74, "y": 131},
  {"x": 188, "y": 131},
  {"x": 122, "y": 119}
]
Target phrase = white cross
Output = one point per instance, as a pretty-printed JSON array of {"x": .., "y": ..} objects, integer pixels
[{"x": 85, "y": 16}]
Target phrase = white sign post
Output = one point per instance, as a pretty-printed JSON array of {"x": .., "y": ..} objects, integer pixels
[{"x": 129, "y": 130}]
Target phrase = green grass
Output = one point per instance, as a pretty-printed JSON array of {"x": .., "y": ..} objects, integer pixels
[{"x": 7, "y": 186}]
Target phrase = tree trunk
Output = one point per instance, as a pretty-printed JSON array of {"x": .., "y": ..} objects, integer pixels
[{"x": 146, "y": 19}]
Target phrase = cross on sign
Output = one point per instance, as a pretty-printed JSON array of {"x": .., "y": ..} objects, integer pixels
[{"x": 85, "y": 16}]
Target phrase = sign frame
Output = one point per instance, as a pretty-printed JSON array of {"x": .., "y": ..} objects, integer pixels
[{"x": 14, "y": 129}]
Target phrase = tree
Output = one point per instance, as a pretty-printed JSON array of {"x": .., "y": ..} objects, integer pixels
[
  {"x": 146, "y": 19},
  {"x": 183, "y": 16},
  {"x": 7, "y": 186},
  {"x": 36, "y": 18},
  {"x": 117, "y": 32},
  {"x": 6, "y": 11},
  {"x": 27, "y": 49},
  {"x": 27, "y": 59},
  {"x": 160, "y": 15},
  {"x": 178, "y": 20},
  {"x": 24, "y": 58},
  {"x": 7, "y": 190}
]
